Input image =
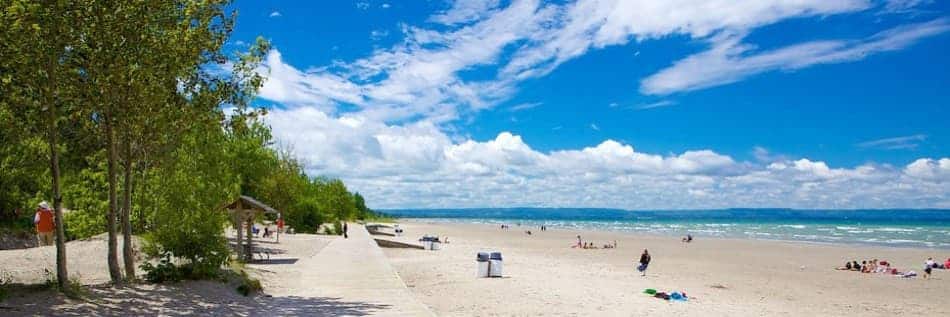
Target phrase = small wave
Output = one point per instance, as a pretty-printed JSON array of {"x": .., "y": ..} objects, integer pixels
[
  {"x": 896, "y": 241},
  {"x": 890, "y": 229},
  {"x": 794, "y": 226},
  {"x": 846, "y": 228}
]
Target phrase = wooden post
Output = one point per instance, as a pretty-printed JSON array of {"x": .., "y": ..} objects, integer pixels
[
  {"x": 237, "y": 217},
  {"x": 250, "y": 234}
]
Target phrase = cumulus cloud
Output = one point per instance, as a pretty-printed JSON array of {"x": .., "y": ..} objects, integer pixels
[
  {"x": 275, "y": 14},
  {"x": 382, "y": 122},
  {"x": 419, "y": 165}
]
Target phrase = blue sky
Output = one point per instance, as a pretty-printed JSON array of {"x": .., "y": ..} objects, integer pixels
[{"x": 628, "y": 104}]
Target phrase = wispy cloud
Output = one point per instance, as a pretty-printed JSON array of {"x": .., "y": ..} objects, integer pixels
[
  {"x": 763, "y": 155},
  {"x": 658, "y": 104},
  {"x": 362, "y": 5},
  {"x": 275, "y": 14},
  {"x": 905, "y": 6},
  {"x": 524, "y": 106},
  {"x": 594, "y": 126},
  {"x": 729, "y": 60},
  {"x": 385, "y": 6},
  {"x": 896, "y": 143},
  {"x": 377, "y": 35}
]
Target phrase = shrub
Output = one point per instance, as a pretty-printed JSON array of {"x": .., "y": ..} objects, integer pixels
[
  {"x": 164, "y": 271},
  {"x": 248, "y": 285}
]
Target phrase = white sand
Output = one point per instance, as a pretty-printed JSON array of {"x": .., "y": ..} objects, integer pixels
[
  {"x": 545, "y": 276},
  {"x": 307, "y": 275}
]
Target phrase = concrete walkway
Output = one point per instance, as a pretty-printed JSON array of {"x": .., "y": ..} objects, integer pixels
[{"x": 354, "y": 270}]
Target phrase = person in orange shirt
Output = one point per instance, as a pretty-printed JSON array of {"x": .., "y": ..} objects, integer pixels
[{"x": 44, "y": 224}]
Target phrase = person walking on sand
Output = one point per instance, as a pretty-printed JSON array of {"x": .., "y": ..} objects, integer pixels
[
  {"x": 44, "y": 224},
  {"x": 345, "y": 231},
  {"x": 644, "y": 262}
]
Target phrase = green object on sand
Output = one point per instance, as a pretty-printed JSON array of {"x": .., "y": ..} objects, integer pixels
[{"x": 649, "y": 291}]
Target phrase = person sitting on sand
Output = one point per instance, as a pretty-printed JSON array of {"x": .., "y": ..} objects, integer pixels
[
  {"x": 928, "y": 267},
  {"x": 846, "y": 267},
  {"x": 946, "y": 265},
  {"x": 864, "y": 266}
]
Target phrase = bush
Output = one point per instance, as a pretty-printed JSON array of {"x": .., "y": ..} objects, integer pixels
[
  {"x": 248, "y": 285},
  {"x": 5, "y": 280},
  {"x": 82, "y": 224},
  {"x": 165, "y": 271}
]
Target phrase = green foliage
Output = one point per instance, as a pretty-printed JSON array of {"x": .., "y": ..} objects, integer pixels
[
  {"x": 248, "y": 285},
  {"x": 191, "y": 189},
  {"x": 306, "y": 216},
  {"x": 128, "y": 90},
  {"x": 6, "y": 279},
  {"x": 164, "y": 271}
]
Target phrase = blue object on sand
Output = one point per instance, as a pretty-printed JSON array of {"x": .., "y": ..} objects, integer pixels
[{"x": 677, "y": 296}]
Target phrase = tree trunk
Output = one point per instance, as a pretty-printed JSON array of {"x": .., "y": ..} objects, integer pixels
[
  {"x": 127, "y": 253},
  {"x": 112, "y": 257},
  {"x": 62, "y": 275}
]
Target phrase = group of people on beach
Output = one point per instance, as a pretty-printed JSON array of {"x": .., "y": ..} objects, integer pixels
[
  {"x": 884, "y": 267},
  {"x": 590, "y": 245}
]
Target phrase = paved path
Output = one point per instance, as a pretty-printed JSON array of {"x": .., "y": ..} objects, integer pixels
[{"x": 353, "y": 271}]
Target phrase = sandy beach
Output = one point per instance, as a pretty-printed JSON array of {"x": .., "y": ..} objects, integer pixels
[
  {"x": 723, "y": 277},
  {"x": 311, "y": 275}
]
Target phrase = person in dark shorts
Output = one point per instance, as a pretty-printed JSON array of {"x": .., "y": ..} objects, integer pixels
[{"x": 644, "y": 262}]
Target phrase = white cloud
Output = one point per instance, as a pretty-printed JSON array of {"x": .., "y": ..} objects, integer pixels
[
  {"x": 729, "y": 60},
  {"x": 393, "y": 141},
  {"x": 419, "y": 77},
  {"x": 524, "y": 106},
  {"x": 896, "y": 143},
  {"x": 418, "y": 165},
  {"x": 904, "y": 6},
  {"x": 275, "y": 14},
  {"x": 385, "y": 6},
  {"x": 930, "y": 169},
  {"x": 658, "y": 104},
  {"x": 594, "y": 126},
  {"x": 376, "y": 35},
  {"x": 464, "y": 11}
]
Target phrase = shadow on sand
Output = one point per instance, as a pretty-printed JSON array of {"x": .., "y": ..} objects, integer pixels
[{"x": 185, "y": 299}]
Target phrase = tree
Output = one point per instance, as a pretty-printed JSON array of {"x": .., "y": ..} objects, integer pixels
[{"x": 38, "y": 49}]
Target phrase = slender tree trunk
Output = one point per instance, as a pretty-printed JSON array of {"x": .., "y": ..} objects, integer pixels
[
  {"x": 127, "y": 211},
  {"x": 62, "y": 276},
  {"x": 114, "y": 273}
]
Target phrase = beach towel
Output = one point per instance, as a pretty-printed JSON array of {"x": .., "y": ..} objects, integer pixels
[
  {"x": 649, "y": 291},
  {"x": 677, "y": 296}
]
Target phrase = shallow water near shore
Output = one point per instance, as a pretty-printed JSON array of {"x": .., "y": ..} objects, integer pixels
[{"x": 896, "y": 228}]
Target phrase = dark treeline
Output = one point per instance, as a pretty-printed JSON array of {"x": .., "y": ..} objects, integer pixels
[{"x": 113, "y": 111}]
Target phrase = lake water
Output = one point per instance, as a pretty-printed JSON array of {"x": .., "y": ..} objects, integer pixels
[{"x": 892, "y": 227}]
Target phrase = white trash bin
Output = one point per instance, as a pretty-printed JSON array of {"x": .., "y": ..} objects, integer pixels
[
  {"x": 481, "y": 260},
  {"x": 494, "y": 267}
]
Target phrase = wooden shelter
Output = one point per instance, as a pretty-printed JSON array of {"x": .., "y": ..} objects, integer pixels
[{"x": 242, "y": 212}]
